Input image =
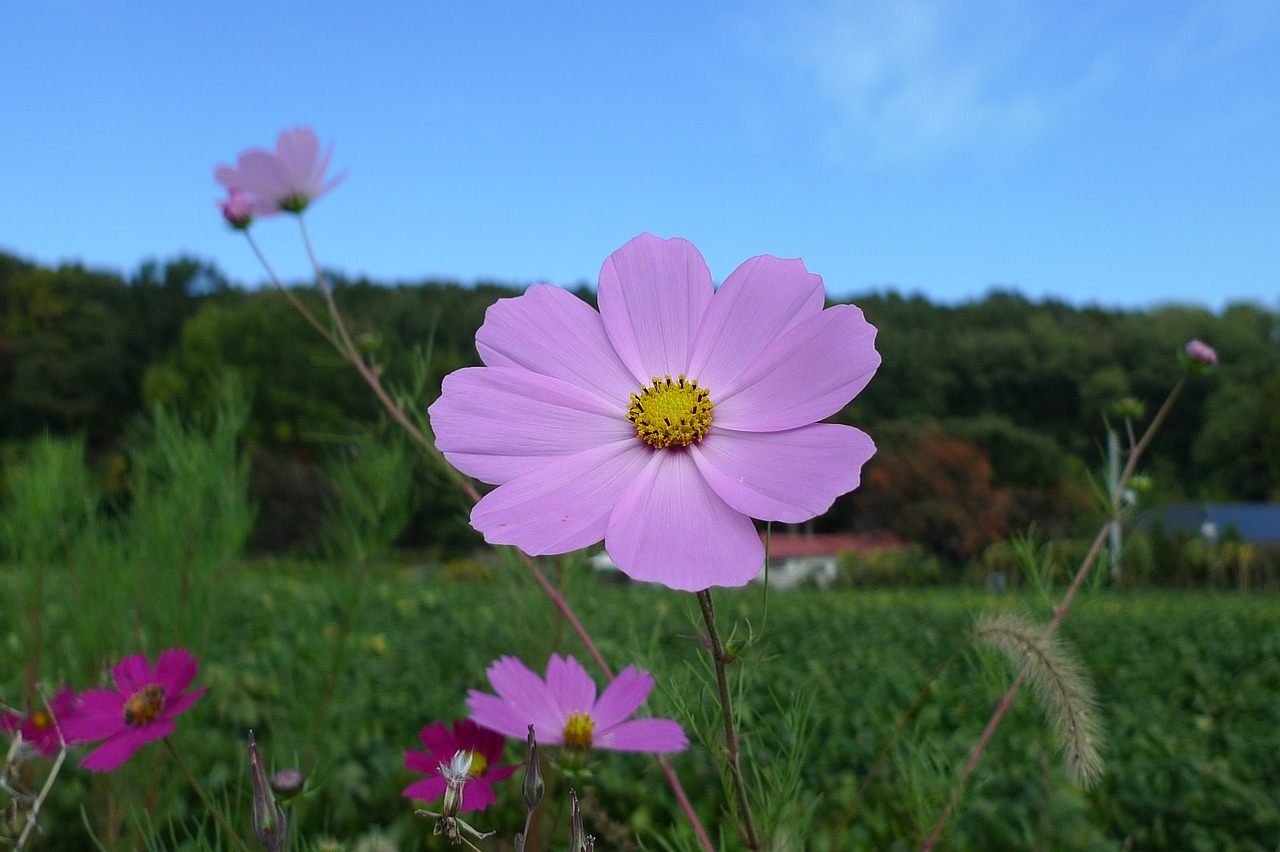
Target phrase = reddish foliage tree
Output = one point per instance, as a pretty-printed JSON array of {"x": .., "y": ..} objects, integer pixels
[{"x": 936, "y": 491}]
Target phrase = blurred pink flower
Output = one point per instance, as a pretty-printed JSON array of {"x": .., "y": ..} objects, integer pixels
[
  {"x": 564, "y": 710},
  {"x": 483, "y": 746},
  {"x": 140, "y": 710},
  {"x": 1201, "y": 354},
  {"x": 667, "y": 421},
  {"x": 40, "y": 728},
  {"x": 287, "y": 180}
]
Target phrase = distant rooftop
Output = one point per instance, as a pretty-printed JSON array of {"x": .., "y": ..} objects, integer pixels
[{"x": 1257, "y": 523}]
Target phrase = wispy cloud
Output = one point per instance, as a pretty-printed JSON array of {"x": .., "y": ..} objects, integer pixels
[{"x": 912, "y": 80}]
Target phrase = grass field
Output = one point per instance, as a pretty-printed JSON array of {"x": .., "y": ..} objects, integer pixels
[{"x": 1189, "y": 685}]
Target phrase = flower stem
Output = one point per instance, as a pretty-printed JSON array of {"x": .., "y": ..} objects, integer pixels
[
  {"x": 33, "y": 815},
  {"x": 342, "y": 342},
  {"x": 1060, "y": 612},
  {"x": 195, "y": 785},
  {"x": 731, "y": 746}
]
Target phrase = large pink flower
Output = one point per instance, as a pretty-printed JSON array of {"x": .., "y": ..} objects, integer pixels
[
  {"x": 564, "y": 710},
  {"x": 287, "y": 179},
  {"x": 140, "y": 710},
  {"x": 667, "y": 421},
  {"x": 484, "y": 748}
]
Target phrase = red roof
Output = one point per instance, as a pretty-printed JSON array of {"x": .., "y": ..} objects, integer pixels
[{"x": 787, "y": 545}]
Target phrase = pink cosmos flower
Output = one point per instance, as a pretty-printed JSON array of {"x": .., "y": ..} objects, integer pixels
[
  {"x": 141, "y": 708},
  {"x": 484, "y": 748},
  {"x": 39, "y": 728},
  {"x": 236, "y": 209},
  {"x": 564, "y": 710},
  {"x": 667, "y": 421},
  {"x": 288, "y": 179}
]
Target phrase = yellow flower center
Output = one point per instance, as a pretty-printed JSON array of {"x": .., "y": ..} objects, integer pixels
[
  {"x": 40, "y": 720},
  {"x": 578, "y": 730},
  {"x": 671, "y": 413},
  {"x": 478, "y": 764},
  {"x": 145, "y": 705}
]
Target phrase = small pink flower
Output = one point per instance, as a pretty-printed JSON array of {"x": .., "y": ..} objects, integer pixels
[
  {"x": 667, "y": 421},
  {"x": 484, "y": 748},
  {"x": 564, "y": 710},
  {"x": 40, "y": 728},
  {"x": 287, "y": 180},
  {"x": 140, "y": 710},
  {"x": 1200, "y": 353}
]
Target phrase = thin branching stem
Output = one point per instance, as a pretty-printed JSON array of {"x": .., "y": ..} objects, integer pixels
[
  {"x": 731, "y": 745},
  {"x": 195, "y": 785},
  {"x": 1060, "y": 612},
  {"x": 33, "y": 815}
]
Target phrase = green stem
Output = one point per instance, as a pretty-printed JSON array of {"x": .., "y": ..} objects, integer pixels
[
  {"x": 195, "y": 785},
  {"x": 731, "y": 745}
]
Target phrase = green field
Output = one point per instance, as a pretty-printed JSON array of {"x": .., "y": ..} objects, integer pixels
[{"x": 1189, "y": 684}]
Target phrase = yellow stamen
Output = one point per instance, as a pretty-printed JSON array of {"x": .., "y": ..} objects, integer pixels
[
  {"x": 478, "y": 764},
  {"x": 671, "y": 413},
  {"x": 145, "y": 705},
  {"x": 578, "y": 730},
  {"x": 40, "y": 720}
]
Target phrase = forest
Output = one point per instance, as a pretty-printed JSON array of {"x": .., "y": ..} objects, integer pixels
[{"x": 990, "y": 416}]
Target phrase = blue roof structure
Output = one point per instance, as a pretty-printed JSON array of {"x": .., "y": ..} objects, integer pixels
[{"x": 1256, "y": 523}]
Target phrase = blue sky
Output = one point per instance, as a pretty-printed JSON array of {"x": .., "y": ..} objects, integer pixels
[{"x": 1118, "y": 153}]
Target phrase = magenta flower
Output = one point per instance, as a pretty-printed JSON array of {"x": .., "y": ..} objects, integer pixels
[
  {"x": 564, "y": 710},
  {"x": 288, "y": 179},
  {"x": 141, "y": 708},
  {"x": 236, "y": 209},
  {"x": 484, "y": 747},
  {"x": 40, "y": 728},
  {"x": 667, "y": 421}
]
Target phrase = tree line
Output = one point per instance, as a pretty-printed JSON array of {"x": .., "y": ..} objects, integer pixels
[{"x": 989, "y": 415}]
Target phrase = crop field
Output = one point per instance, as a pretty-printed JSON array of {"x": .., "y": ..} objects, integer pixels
[{"x": 1189, "y": 685}]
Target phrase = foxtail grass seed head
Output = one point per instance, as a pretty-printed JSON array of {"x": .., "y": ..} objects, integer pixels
[{"x": 1059, "y": 683}]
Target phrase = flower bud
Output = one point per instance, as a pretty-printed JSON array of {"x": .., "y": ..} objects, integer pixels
[
  {"x": 1199, "y": 356},
  {"x": 533, "y": 784},
  {"x": 1130, "y": 408},
  {"x": 288, "y": 783},
  {"x": 268, "y": 816},
  {"x": 236, "y": 210}
]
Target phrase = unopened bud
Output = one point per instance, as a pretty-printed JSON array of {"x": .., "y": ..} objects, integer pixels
[
  {"x": 236, "y": 210},
  {"x": 533, "y": 784},
  {"x": 579, "y": 840},
  {"x": 1199, "y": 356},
  {"x": 288, "y": 783},
  {"x": 268, "y": 816},
  {"x": 1130, "y": 408}
]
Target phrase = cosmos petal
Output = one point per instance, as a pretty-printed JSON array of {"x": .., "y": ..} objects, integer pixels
[
  {"x": 789, "y": 476},
  {"x": 622, "y": 697},
  {"x": 499, "y": 715},
  {"x": 564, "y": 504},
  {"x": 763, "y": 297},
  {"x": 428, "y": 789},
  {"x": 670, "y": 527},
  {"x": 120, "y": 747},
  {"x": 661, "y": 736},
  {"x": 182, "y": 703},
  {"x": 551, "y": 331},
  {"x": 542, "y": 418},
  {"x": 175, "y": 669},
  {"x": 809, "y": 373},
  {"x": 298, "y": 150},
  {"x": 421, "y": 761},
  {"x": 569, "y": 682},
  {"x": 477, "y": 795},
  {"x": 440, "y": 742},
  {"x": 653, "y": 294},
  {"x": 263, "y": 176}
]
